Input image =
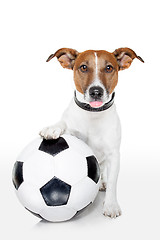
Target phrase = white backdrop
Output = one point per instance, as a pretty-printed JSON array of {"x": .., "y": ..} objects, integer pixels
[{"x": 35, "y": 93}]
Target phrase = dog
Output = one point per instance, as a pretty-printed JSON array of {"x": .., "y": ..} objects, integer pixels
[{"x": 91, "y": 115}]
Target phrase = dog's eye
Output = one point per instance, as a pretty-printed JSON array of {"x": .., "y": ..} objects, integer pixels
[
  {"x": 83, "y": 68},
  {"x": 109, "y": 69}
]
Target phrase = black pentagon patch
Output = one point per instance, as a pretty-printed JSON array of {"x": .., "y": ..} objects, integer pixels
[
  {"x": 93, "y": 168},
  {"x": 17, "y": 174},
  {"x": 55, "y": 192},
  {"x": 53, "y": 146}
]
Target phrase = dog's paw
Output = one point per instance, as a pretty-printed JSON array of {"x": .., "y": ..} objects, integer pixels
[
  {"x": 111, "y": 210},
  {"x": 52, "y": 132}
]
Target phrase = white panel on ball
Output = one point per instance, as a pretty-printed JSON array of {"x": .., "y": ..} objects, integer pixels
[
  {"x": 86, "y": 187},
  {"x": 38, "y": 169},
  {"x": 70, "y": 166},
  {"x": 57, "y": 214},
  {"x": 30, "y": 197},
  {"x": 78, "y": 145}
]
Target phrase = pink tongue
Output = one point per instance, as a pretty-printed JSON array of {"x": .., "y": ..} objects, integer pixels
[{"x": 95, "y": 104}]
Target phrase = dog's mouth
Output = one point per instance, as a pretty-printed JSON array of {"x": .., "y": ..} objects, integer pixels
[{"x": 96, "y": 104}]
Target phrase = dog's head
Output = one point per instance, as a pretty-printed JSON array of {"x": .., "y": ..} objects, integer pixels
[{"x": 95, "y": 72}]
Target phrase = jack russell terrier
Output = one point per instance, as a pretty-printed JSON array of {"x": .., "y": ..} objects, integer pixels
[{"x": 92, "y": 114}]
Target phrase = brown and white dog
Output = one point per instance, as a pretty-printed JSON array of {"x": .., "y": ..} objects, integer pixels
[{"x": 92, "y": 114}]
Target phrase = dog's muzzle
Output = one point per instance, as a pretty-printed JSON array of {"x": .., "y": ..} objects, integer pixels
[{"x": 96, "y": 94}]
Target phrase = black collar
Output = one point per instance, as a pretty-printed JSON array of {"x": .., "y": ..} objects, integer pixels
[{"x": 87, "y": 107}]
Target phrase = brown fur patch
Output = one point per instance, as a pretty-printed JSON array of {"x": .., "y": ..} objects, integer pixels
[
  {"x": 83, "y": 80},
  {"x": 125, "y": 57},
  {"x": 66, "y": 57}
]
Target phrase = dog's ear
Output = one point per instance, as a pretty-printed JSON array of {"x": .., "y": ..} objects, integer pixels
[
  {"x": 66, "y": 57},
  {"x": 125, "y": 57}
]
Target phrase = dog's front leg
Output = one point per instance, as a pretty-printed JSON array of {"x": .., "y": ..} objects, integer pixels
[{"x": 111, "y": 207}]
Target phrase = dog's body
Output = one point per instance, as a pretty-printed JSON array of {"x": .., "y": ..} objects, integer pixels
[{"x": 95, "y": 76}]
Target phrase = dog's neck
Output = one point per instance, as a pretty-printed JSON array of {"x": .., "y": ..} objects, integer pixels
[{"x": 79, "y": 100}]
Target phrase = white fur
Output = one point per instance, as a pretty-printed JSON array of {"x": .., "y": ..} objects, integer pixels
[
  {"x": 102, "y": 132},
  {"x": 96, "y": 62}
]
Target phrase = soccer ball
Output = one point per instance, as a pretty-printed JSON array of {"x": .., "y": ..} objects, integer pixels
[{"x": 56, "y": 179}]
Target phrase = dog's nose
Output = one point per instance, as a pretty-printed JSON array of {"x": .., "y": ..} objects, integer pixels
[{"x": 96, "y": 92}]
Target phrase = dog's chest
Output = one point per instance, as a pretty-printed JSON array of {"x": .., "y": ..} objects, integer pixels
[
  {"x": 101, "y": 136},
  {"x": 100, "y": 130}
]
